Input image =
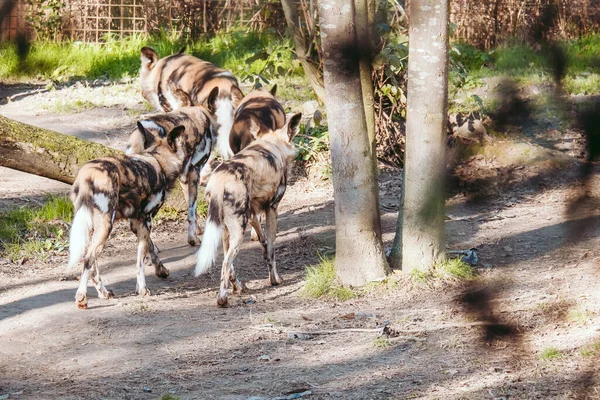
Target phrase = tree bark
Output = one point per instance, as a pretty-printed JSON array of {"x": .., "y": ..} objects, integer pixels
[
  {"x": 365, "y": 18},
  {"x": 422, "y": 226},
  {"x": 310, "y": 70},
  {"x": 360, "y": 256}
]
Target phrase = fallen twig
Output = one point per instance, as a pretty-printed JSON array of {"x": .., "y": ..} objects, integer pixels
[{"x": 308, "y": 334}]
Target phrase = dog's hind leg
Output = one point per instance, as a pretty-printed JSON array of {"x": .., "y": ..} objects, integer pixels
[
  {"x": 144, "y": 244},
  {"x": 271, "y": 227},
  {"x": 193, "y": 177},
  {"x": 102, "y": 228},
  {"x": 236, "y": 236}
]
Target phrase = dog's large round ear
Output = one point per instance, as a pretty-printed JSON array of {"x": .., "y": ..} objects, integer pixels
[
  {"x": 294, "y": 126},
  {"x": 174, "y": 135},
  {"x": 273, "y": 90},
  {"x": 148, "y": 57},
  {"x": 236, "y": 96},
  {"x": 211, "y": 102},
  {"x": 148, "y": 137}
]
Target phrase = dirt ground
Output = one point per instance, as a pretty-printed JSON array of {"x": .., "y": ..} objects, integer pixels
[{"x": 538, "y": 289}]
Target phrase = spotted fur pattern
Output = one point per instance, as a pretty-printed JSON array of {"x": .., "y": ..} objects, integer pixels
[
  {"x": 182, "y": 80},
  {"x": 132, "y": 187},
  {"x": 252, "y": 182},
  {"x": 198, "y": 140},
  {"x": 258, "y": 113}
]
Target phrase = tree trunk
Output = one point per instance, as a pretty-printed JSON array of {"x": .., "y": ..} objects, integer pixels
[
  {"x": 46, "y": 153},
  {"x": 310, "y": 70},
  {"x": 360, "y": 256},
  {"x": 54, "y": 155},
  {"x": 365, "y": 18},
  {"x": 422, "y": 226}
]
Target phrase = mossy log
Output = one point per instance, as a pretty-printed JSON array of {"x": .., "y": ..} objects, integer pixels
[{"x": 52, "y": 154}]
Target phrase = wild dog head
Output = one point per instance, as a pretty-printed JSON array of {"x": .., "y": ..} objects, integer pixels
[
  {"x": 197, "y": 140},
  {"x": 183, "y": 80},
  {"x": 258, "y": 109}
]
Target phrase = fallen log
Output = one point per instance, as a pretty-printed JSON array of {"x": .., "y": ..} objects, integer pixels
[{"x": 54, "y": 155}]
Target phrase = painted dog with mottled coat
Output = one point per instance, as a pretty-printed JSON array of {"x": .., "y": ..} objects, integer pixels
[
  {"x": 111, "y": 188},
  {"x": 198, "y": 140},
  {"x": 182, "y": 80},
  {"x": 251, "y": 182}
]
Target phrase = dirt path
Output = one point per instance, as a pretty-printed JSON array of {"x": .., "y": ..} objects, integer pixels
[{"x": 536, "y": 283}]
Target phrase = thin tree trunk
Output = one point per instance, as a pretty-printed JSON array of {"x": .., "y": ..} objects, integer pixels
[
  {"x": 365, "y": 18},
  {"x": 310, "y": 70},
  {"x": 360, "y": 256},
  {"x": 423, "y": 238}
]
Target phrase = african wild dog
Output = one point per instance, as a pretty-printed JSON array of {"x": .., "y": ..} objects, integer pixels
[
  {"x": 184, "y": 80},
  {"x": 197, "y": 145},
  {"x": 258, "y": 107},
  {"x": 254, "y": 180},
  {"x": 129, "y": 186}
]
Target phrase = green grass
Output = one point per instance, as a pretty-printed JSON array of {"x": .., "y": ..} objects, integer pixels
[
  {"x": 579, "y": 316},
  {"x": 167, "y": 213},
  {"x": 381, "y": 342},
  {"x": 35, "y": 232},
  {"x": 551, "y": 353},
  {"x": 450, "y": 269},
  {"x": 591, "y": 350},
  {"x": 247, "y": 54},
  {"x": 321, "y": 282},
  {"x": 528, "y": 64}
]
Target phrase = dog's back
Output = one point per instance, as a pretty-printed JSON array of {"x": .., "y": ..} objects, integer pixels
[
  {"x": 258, "y": 114},
  {"x": 182, "y": 80}
]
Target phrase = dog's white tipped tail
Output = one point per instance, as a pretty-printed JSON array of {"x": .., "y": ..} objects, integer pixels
[
  {"x": 209, "y": 247},
  {"x": 224, "y": 115},
  {"x": 80, "y": 235}
]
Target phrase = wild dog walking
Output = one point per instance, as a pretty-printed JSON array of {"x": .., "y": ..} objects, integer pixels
[
  {"x": 197, "y": 141},
  {"x": 258, "y": 109},
  {"x": 183, "y": 80},
  {"x": 254, "y": 180},
  {"x": 112, "y": 188}
]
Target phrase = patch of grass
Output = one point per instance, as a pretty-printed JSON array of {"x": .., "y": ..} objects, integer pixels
[
  {"x": 167, "y": 213},
  {"x": 591, "y": 349},
  {"x": 421, "y": 277},
  {"x": 202, "y": 208},
  {"x": 269, "y": 319},
  {"x": 381, "y": 342},
  {"x": 321, "y": 282},
  {"x": 247, "y": 54},
  {"x": 450, "y": 269},
  {"x": 579, "y": 316},
  {"x": 67, "y": 106},
  {"x": 35, "y": 232},
  {"x": 454, "y": 268},
  {"x": 169, "y": 397},
  {"x": 551, "y": 353},
  {"x": 556, "y": 310}
]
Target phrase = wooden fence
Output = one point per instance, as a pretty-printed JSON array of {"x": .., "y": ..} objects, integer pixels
[
  {"x": 483, "y": 23},
  {"x": 93, "y": 20}
]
